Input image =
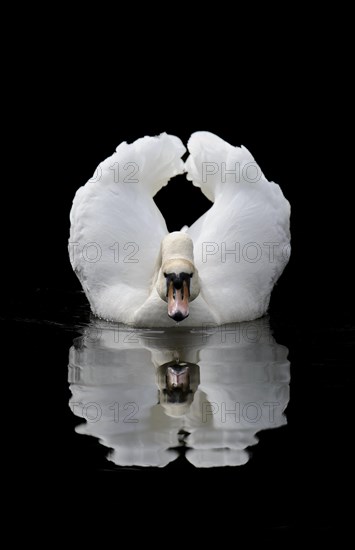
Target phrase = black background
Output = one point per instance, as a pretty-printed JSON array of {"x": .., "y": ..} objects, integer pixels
[{"x": 290, "y": 121}]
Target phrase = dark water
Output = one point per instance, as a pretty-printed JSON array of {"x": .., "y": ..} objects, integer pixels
[{"x": 264, "y": 411}]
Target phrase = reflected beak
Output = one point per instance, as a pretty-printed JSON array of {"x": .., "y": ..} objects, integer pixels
[
  {"x": 178, "y": 378},
  {"x": 178, "y": 302}
]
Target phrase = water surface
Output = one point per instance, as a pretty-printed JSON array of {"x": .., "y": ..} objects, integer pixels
[{"x": 151, "y": 395}]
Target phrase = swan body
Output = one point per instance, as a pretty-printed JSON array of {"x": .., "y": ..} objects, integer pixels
[{"x": 221, "y": 269}]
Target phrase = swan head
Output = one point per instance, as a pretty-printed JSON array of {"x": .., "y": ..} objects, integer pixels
[{"x": 178, "y": 281}]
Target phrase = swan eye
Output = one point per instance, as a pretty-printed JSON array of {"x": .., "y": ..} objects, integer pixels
[
  {"x": 165, "y": 275},
  {"x": 191, "y": 274}
]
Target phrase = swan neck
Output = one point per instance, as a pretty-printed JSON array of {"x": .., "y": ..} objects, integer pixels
[{"x": 177, "y": 245}]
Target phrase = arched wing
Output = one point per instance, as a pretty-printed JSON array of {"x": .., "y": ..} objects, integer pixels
[
  {"x": 116, "y": 228},
  {"x": 241, "y": 245}
]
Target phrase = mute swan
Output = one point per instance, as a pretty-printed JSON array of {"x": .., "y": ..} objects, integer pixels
[{"x": 221, "y": 269}]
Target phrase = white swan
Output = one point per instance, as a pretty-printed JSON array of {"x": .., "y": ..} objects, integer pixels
[{"x": 222, "y": 269}]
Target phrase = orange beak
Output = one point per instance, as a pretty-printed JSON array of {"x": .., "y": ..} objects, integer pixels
[{"x": 178, "y": 302}]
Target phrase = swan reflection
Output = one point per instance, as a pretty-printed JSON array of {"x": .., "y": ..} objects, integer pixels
[{"x": 149, "y": 395}]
